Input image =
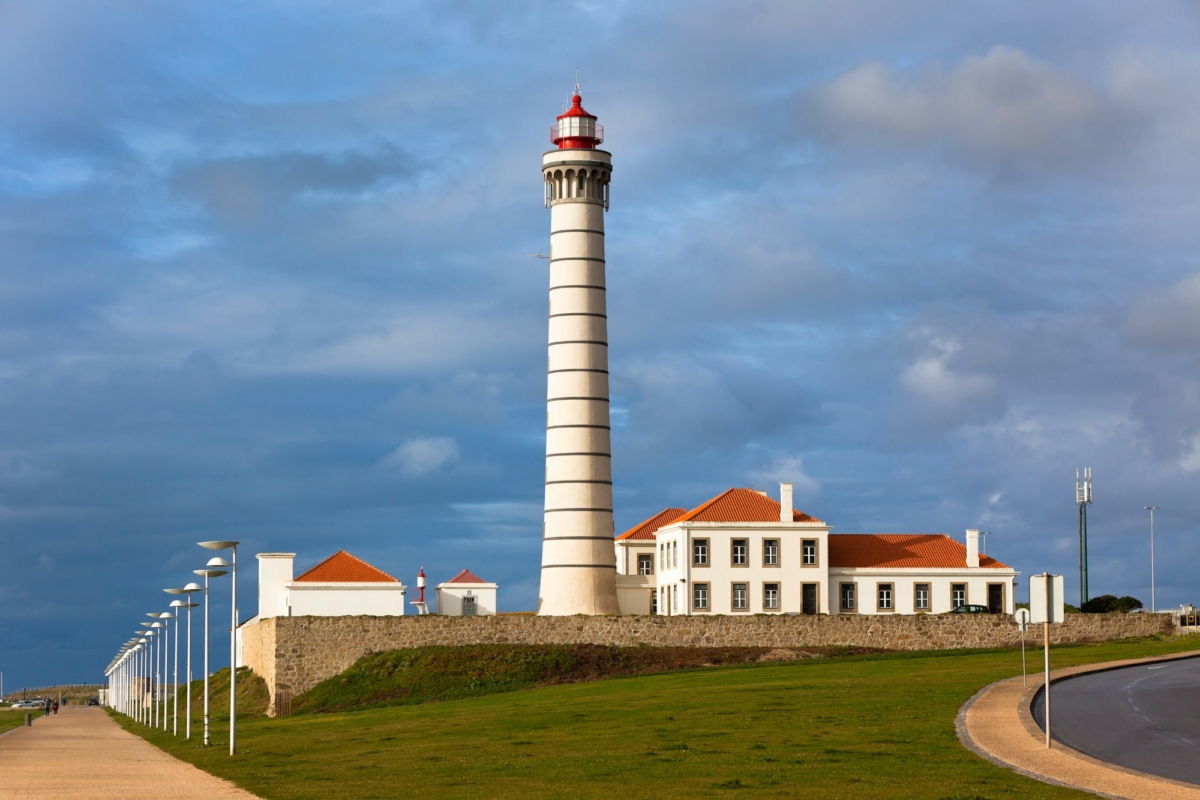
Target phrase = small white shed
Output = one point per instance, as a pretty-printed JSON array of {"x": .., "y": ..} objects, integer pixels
[{"x": 466, "y": 595}]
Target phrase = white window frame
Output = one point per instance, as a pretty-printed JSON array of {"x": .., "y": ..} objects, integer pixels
[
  {"x": 816, "y": 550},
  {"x": 646, "y": 559},
  {"x": 701, "y": 597},
  {"x": 766, "y": 597},
  {"x": 700, "y": 552},
  {"x": 770, "y": 559},
  {"x": 733, "y": 597},
  {"x": 733, "y": 552}
]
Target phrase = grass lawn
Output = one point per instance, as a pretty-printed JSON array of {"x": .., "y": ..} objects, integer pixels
[
  {"x": 15, "y": 717},
  {"x": 859, "y": 727}
]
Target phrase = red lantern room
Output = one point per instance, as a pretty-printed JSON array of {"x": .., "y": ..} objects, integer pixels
[{"x": 576, "y": 129}]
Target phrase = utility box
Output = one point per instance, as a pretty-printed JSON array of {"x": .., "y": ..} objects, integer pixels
[{"x": 1046, "y": 599}]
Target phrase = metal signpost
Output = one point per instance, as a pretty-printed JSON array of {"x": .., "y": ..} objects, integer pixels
[
  {"x": 1046, "y": 607},
  {"x": 1022, "y": 617}
]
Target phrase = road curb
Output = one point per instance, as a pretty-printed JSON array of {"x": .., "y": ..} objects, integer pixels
[{"x": 997, "y": 724}]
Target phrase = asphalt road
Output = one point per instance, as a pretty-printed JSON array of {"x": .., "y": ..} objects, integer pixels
[{"x": 1145, "y": 718}]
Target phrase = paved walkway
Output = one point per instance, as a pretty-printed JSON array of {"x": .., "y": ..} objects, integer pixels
[
  {"x": 83, "y": 755},
  {"x": 997, "y": 724}
]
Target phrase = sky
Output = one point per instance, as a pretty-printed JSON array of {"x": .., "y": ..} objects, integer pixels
[{"x": 264, "y": 277}]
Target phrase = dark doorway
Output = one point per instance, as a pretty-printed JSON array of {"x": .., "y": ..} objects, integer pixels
[
  {"x": 996, "y": 598},
  {"x": 808, "y": 598}
]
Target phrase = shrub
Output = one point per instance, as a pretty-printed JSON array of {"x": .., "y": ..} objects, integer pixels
[{"x": 1107, "y": 603}]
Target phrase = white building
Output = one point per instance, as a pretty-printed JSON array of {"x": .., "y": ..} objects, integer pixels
[
  {"x": 466, "y": 595},
  {"x": 341, "y": 585},
  {"x": 745, "y": 553}
]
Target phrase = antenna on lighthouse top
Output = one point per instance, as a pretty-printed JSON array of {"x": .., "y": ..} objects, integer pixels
[{"x": 577, "y": 80}]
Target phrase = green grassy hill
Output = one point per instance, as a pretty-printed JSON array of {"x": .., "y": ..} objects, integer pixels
[
  {"x": 421, "y": 675},
  {"x": 862, "y": 727}
]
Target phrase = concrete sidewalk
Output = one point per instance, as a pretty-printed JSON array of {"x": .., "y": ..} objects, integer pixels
[
  {"x": 997, "y": 725},
  {"x": 82, "y": 754}
]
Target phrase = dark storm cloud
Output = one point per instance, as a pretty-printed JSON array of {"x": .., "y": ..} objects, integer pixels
[{"x": 262, "y": 276}]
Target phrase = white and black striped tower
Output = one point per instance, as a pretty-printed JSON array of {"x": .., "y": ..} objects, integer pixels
[{"x": 578, "y": 559}]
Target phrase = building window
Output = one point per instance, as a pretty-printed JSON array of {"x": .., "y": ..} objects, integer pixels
[
  {"x": 958, "y": 595},
  {"x": 674, "y": 601},
  {"x": 741, "y": 549},
  {"x": 883, "y": 593},
  {"x": 662, "y": 562},
  {"x": 741, "y": 597},
  {"x": 921, "y": 597},
  {"x": 770, "y": 597},
  {"x": 700, "y": 596},
  {"x": 770, "y": 552},
  {"x": 808, "y": 553},
  {"x": 645, "y": 564},
  {"x": 674, "y": 554},
  {"x": 700, "y": 553},
  {"x": 846, "y": 592},
  {"x": 654, "y": 601}
]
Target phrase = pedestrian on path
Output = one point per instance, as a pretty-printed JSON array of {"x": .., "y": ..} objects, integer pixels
[{"x": 56, "y": 708}]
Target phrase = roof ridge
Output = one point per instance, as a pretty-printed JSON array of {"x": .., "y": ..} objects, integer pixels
[
  {"x": 703, "y": 506},
  {"x": 350, "y": 556}
]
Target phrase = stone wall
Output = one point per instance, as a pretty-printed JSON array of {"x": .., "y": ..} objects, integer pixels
[{"x": 293, "y": 654}]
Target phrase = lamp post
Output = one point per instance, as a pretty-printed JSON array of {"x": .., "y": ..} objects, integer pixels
[
  {"x": 176, "y": 604},
  {"x": 190, "y": 588},
  {"x": 232, "y": 547},
  {"x": 1152, "y": 509},
  {"x": 150, "y": 661},
  {"x": 207, "y": 572},
  {"x": 166, "y": 617},
  {"x": 143, "y": 673},
  {"x": 156, "y": 679}
]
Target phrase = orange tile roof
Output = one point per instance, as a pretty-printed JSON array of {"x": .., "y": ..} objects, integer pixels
[
  {"x": 901, "y": 550},
  {"x": 646, "y": 529},
  {"x": 741, "y": 505},
  {"x": 341, "y": 567},
  {"x": 466, "y": 576}
]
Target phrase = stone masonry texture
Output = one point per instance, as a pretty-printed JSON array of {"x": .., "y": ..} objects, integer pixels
[{"x": 294, "y": 654}]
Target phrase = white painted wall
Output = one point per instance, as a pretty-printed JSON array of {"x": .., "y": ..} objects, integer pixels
[
  {"x": 450, "y": 598},
  {"x": 274, "y": 575},
  {"x": 677, "y": 572},
  {"x": 310, "y": 599},
  {"x": 904, "y": 582}
]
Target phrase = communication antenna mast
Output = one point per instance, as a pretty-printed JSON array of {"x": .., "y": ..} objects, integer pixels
[{"x": 1083, "y": 497}]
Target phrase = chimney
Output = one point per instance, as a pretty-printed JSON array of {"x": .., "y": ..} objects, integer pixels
[
  {"x": 972, "y": 548},
  {"x": 785, "y": 502},
  {"x": 274, "y": 575}
]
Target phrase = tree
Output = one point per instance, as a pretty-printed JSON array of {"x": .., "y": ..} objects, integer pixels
[{"x": 1107, "y": 604}]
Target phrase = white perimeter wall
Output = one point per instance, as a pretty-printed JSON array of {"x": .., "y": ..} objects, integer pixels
[{"x": 346, "y": 599}]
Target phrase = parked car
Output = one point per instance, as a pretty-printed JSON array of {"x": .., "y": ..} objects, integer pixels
[
  {"x": 93, "y": 701},
  {"x": 971, "y": 609}
]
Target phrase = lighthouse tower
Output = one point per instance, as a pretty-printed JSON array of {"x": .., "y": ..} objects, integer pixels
[{"x": 578, "y": 558}]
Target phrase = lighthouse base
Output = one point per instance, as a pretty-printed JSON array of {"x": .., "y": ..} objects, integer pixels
[{"x": 578, "y": 590}]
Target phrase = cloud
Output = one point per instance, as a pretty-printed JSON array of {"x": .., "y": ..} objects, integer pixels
[
  {"x": 423, "y": 455},
  {"x": 941, "y": 396},
  {"x": 1168, "y": 319},
  {"x": 245, "y": 188},
  {"x": 1005, "y": 107},
  {"x": 789, "y": 469}
]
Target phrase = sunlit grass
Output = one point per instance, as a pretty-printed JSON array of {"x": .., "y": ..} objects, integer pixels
[{"x": 865, "y": 727}]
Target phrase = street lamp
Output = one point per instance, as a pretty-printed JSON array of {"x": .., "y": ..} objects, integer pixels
[
  {"x": 150, "y": 662},
  {"x": 190, "y": 588},
  {"x": 207, "y": 572},
  {"x": 231, "y": 546},
  {"x": 1152, "y": 509},
  {"x": 166, "y": 617},
  {"x": 156, "y": 683},
  {"x": 147, "y": 680}
]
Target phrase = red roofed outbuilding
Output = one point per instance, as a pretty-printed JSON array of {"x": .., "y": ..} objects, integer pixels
[{"x": 466, "y": 595}]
